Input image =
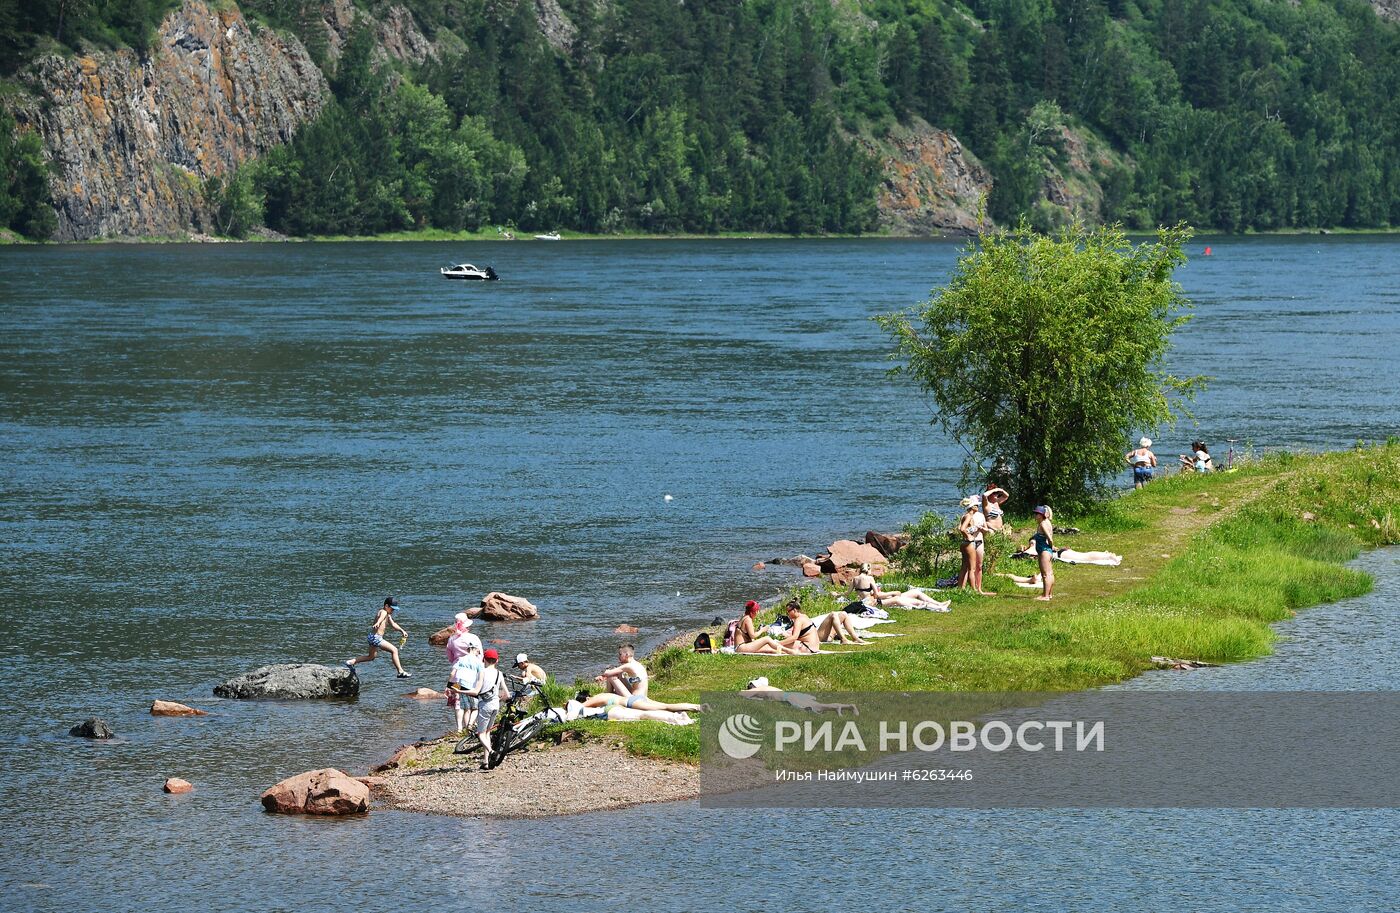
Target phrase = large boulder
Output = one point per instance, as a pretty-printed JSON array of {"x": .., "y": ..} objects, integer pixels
[
  {"x": 441, "y": 636},
  {"x": 887, "y": 544},
  {"x": 92, "y": 728},
  {"x": 177, "y": 787},
  {"x": 170, "y": 708},
  {"x": 292, "y": 681},
  {"x": 318, "y": 792},
  {"x": 503, "y": 607},
  {"x": 846, "y": 552}
]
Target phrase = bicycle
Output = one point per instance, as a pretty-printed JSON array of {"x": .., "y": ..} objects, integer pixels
[{"x": 513, "y": 729}]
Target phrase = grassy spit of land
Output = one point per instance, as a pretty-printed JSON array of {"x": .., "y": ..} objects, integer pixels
[{"x": 1209, "y": 563}]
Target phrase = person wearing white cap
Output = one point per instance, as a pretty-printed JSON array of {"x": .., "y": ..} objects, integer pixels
[
  {"x": 529, "y": 672},
  {"x": 1143, "y": 461}
]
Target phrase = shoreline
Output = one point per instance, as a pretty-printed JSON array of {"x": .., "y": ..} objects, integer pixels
[
  {"x": 547, "y": 781},
  {"x": 437, "y": 235},
  {"x": 1200, "y": 519}
]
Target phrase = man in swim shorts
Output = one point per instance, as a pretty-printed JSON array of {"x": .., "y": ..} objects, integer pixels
[{"x": 628, "y": 677}]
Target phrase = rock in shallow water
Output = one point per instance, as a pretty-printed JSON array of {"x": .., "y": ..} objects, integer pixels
[
  {"x": 170, "y": 708},
  {"x": 175, "y": 786},
  {"x": 504, "y": 607},
  {"x": 292, "y": 681},
  {"x": 92, "y": 728},
  {"x": 318, "y": 792}
]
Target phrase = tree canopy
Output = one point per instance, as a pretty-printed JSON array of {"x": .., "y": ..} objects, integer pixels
[
  {"x": 750, "y": 114},
  {"x": 1048, "y": 352}
]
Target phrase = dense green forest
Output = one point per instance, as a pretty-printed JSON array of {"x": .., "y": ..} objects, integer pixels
[{"x": 743, "y": 114}]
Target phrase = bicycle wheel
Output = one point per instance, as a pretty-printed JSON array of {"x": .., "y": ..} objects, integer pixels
[
  {"x": 501, "y": 745},
  {"x": 468, "y": 744},
  {"x": 528, "y": 731}
]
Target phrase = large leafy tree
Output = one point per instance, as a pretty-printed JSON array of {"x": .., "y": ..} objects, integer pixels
[{"x": 1048, "y": 353}]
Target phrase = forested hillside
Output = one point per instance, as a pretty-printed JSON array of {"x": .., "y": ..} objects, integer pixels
[{"x": 769, "y": 115}]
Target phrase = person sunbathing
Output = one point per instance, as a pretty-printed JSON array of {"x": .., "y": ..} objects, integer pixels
[
  {"x": 1075, "y": 556},
  {"x": 616, "y": 713},
  {"x": 915, "y": 598},
  {"x": 746, "y": 639},
  {"x": 635, "y": 702},
  {"x": 803, "y": 639},
  {"x": 761, "y": 690},
  {"x": 837, "y": 626}
]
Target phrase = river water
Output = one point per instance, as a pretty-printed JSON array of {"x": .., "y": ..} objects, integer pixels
[{"x": 223, "y": 456}]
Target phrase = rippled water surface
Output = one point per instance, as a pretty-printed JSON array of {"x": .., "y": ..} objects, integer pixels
[{"x": 221, "y": 456}]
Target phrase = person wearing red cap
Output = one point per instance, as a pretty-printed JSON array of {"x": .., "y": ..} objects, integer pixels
[
  {"x": 746, "y": 639},
  {"x": 490, "y": 688}
]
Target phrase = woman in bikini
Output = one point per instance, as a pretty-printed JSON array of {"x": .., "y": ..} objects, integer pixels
[
  {"x": 868, "y": 591},
  {"x": 1043, "y": 541},
  {"x": 804, "y": 639},
  {"x": 746, "y": 639},
  {"x": 992, "y": 500},
  {"x": 971, "y": 528}
]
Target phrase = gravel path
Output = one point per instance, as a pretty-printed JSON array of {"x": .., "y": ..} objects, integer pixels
[{"x": 567, "y": 779}]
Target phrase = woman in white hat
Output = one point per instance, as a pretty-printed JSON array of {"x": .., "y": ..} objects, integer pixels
[
  {"x": 1143, "y": 461},
  {"x": 463, "y": 647}
]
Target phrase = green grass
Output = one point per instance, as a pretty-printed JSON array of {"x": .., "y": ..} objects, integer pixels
[{"x": 1209, "y": 563}]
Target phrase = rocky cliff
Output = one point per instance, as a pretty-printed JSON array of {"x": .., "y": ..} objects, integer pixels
[
  {"x": 931, "y": 185},
  {"x": 132, "y": 137}
]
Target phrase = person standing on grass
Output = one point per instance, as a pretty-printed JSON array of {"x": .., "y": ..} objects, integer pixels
[
  {"x": 1143, "y": 461},
  {"x": 383, "y": 620},
  {"x": 1043, "y": 541},
  {"x": 992, "y": 500},
  {"x": 971, "y": 527}
]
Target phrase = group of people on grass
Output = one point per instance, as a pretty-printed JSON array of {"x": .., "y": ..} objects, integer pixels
[
  {"x": 983, "y": 516},
  {"x": 1144, "y": 462},
  {"x": 805, "y": 635},
  {"x": 476, "y": 685}
]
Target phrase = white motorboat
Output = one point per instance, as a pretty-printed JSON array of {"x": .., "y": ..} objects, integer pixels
[
  {"x": 467, "y": 271},
  {"x": 549, "y": 236}
]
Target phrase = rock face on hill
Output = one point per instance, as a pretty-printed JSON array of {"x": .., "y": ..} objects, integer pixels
[
  {"x": 932, "y": 185},
  {"x": 132, "y": 137}
]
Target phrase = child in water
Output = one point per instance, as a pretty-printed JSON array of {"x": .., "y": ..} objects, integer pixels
[{"x": 383, "y": 620}]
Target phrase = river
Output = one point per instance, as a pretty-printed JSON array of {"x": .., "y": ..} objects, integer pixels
[{"x": 226, "y": 455}]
